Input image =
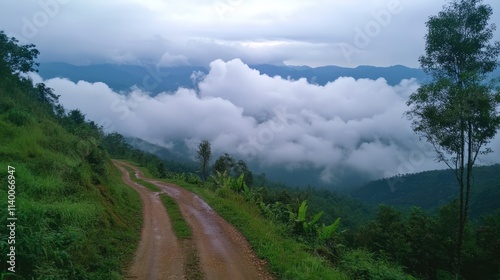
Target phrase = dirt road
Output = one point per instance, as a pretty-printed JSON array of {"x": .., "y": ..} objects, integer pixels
[
  {"x": 223, "y": 252},
  {"x": 159, "y": 255}
]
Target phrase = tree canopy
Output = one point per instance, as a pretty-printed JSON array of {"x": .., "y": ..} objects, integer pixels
[
  {"x": 16, "y": 58},
  {"x": 204, "y": 154},
  {"x": 457, "y": 111}
]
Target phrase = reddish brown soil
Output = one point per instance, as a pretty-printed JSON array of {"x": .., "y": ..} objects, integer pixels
[
  {"x": 223, "y": 251},
  {"x": 159, "y": 255}
]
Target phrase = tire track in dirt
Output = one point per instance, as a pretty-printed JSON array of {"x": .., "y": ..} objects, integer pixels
[
  {"x": 159, "y": 255},
  {"x": 223, "y": 251}
]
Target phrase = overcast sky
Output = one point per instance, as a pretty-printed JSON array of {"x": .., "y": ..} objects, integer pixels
[
  {"x": 346, "y": 124},
  {"x": 293, "y": 32}
]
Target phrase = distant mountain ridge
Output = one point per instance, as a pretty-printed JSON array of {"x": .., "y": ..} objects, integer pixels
[
  {"x": 427, "y": 190},
  {"x": 168, "y": 79},
  {"x": 431, "y": 189}
]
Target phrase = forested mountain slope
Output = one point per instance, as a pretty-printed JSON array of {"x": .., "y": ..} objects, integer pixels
[{"x": 431, "y": 189}]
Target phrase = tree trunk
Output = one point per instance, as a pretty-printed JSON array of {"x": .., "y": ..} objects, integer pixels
[{"x": 461, "y": 219}]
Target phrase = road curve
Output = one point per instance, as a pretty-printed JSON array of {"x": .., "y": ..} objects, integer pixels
[
  {"x": 159, "y": 255},
  {"x": 223, "y": 251}
]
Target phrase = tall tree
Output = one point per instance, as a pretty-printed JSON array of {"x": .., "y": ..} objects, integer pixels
[
  {"x": 15, "y": 58},
  {"x": 204, "y": 154},
  {"x": 227, "y": 164},
  {"x": 457, "y": 110}
]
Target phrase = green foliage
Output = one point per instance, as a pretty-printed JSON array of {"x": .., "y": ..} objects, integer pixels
[
  {"x": 76, "y": 218},
  {"x": 308, "y": 229},
  {"x": 326, "y": 232},
  {"x": 433, "y": 189},
  {"x": 193, "y": 179},
  {"x": 353, "y": 212},
  {"x": 146, "y": 184},
  {"x": 224, "y": 181},
  {"x": 457, "y": 111},
  {"x": 488, "y": 241},
  {"x": 301, "y": 217},
  {"x": 179, "y": 225},
  {"x": 19, "y": 117},
  {"x": 227, "y": 164},
  {"x": 287, "y": 258},
  {"x": 362, "y": 265},
  {"x": 424, "y": 244},
  {"x": 62, "y": 214},
  {"x": 16, "y": 58},
  {"x": 204, "y": 154},
  {"x": 118, "y": 148}
]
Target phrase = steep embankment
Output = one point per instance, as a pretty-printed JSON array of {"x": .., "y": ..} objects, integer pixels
[{"x": 76, "y": 219}]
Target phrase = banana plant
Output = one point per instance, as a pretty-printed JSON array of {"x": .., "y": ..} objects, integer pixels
[
  {"x": 239, "y": 184},
  {"x": 301, "y": 218},
  {"x": 220, "y": 179},
  {"x": 326, "y": 232}
]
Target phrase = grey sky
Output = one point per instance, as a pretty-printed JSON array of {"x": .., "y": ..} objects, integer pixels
[
  {"x": 296, "y": 32},
  {"x": 345, "y": 125}
]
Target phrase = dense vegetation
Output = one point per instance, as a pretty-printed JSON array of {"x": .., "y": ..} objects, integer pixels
[
  {"x": 432, "y": 189},
  {"x": 383, "y": 243},
  {"x": 75, "y": 217},
  {"x": 456, "y": 111}
]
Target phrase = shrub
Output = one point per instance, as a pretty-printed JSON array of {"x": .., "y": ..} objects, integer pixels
[
  {"x": 19, "y": 117},
  {"x": 360, "y": 264}
]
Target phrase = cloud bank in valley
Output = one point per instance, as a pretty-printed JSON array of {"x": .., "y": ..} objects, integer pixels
[{"x": 346, "y": 124}]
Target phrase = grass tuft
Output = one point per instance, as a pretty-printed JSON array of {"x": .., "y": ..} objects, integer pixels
[
  {"x": 146, "y": 184},
  {"x": 179, "y": 225}
]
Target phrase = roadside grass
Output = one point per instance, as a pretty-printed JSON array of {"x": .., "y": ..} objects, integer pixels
[
  {"x": 179, "y": 225},
  {"x": 183, "y": 232},
  {"x": 193, "y": 270},
  {"x": 76, "y": 219},
  {"x": 286, "y": 258}
]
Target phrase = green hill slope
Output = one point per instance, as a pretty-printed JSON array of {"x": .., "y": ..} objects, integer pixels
[
  {"x": 74, "y": 217},
  {"x": 431, "y": 189}
]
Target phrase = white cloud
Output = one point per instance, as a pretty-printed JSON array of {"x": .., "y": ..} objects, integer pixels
[
  {"x": 346, "y": 124},
  {"x": 171, "y": 60}
]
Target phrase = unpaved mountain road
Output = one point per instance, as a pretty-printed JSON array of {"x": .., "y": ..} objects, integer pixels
[
  {"x": 159, "y": 255},
  {"x": 223, "y": 252}
]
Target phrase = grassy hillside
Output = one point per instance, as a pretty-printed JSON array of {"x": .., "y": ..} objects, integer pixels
[
  {"x": 432, "y": 189},
  {"x": 75, "y": 217}
]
